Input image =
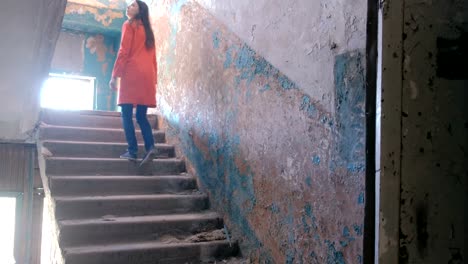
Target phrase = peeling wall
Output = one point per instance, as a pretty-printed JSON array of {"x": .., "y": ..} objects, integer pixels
[
  {"x": 69, "y": 53},
  {"x": 434, "y": 118},
  {"x": 297, "y": 36},
  {"x": 29, "y": 32},
  {"x": 103, "y": 16},
  {"x": 286, "y": 167}
]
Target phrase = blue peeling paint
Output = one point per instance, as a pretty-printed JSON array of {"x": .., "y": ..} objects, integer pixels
[
  {"x": 361, "y": 198},
  {"x": 216, "y": 36},
  {"x": 262, "y": 67},
  {"x": 310, "y": 213},
  {"x": 170, "y": 57},
  {"x": 290, "y": 256},
  {"x": 237, "y": 80},
  {"x": 334, "y": 256},
  {"x": 316, "y": 160},
  {"x": 218, "y": 167},
  {"x": 274, "y": 208},
  {"x": 265, "y": 88},
  {"x": 308, "y": 181},
  {"x": 356, "y": 167},
  {"x": 248, "y": 94},
  {"x": 326, "y": 120},
  {"x": 250, "y": 65},
  {"x": 308, "y": 107},
  {"x": 347, "y": 234},
  {"x": 177, "y": 7},
  {"x": 344, "y": 243},
  {"x": 286, "y": 83},
  {"x": 245, "y": 58},
  {"x": 305, "y": 225},
  {"x": 360, "y": 260},
  {"x": 314, "y": 257},
  {"x": 358, "y": 229},
  {"x": 350, "y": 114},
  {"x": 228, "y": 55}
]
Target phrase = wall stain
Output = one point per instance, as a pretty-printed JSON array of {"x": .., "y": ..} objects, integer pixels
[
  {"x": 455, "y": 256},
  {"x": 104, "y": 16},
  {"x": 421, "y": 229},
  {"x": 349, "y": 104}
]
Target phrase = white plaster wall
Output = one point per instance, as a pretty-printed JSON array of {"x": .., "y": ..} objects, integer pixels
[
  {"x": 299, "y": 37},
  {"x": 29, "y": 30},
  {"x": 69, "y": 53}
]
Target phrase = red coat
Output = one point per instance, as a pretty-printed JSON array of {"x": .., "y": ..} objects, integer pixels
[{"x": 136, "y": 66}]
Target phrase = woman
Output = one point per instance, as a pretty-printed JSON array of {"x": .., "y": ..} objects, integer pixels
[{"x": 136, "y": 67}]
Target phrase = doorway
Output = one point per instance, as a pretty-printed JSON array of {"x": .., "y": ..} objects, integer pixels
[
  {"x": 8, "y": 207},
  {"x": 68, "y": 92}
]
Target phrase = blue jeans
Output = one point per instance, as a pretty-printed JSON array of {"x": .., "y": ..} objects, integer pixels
[{"x": 145, "y": 127}]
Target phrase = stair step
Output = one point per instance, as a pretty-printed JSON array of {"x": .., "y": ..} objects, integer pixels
[
  {"x": 150, "y": 253},
  {"x": 94, "y": 119},
  {"x": 141, "y": 228},
  {"x": 100, "y": 149},
  {"x": 47, "y": 132},
  {"x": 101, "y": 166},
  {"x": 127, "y": 205},
  {"x": 122, "y": 185}
]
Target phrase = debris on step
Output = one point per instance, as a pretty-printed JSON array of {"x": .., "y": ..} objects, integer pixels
[
  {"x": 230, "y": 261},
  {"x": 168, "y": 239},
  {"x": 208, "y": 236},
  {"x": 108, "y": 218},
  {"x": 45, "y": 152}
]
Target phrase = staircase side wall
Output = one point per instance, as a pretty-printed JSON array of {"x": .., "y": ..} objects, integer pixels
[
  {"x": 50, "y": 249},
  {"x": 286, "y": 167},
  {"x": 29, "y": 32}
]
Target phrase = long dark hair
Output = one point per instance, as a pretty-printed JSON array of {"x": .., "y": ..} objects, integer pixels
[{"x": 143, "y": 15}]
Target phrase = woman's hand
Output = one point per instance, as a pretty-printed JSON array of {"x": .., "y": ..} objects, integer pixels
[{"x": 113, "y": 83}]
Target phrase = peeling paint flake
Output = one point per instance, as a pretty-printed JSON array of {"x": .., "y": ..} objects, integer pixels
[
  {"x": 334, "y": 256},
  {"x": 308, "y": 106},
  {"x": 216, "y": 39}
]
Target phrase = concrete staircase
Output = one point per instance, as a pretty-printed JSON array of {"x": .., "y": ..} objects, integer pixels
[{"x": 110, "y": 211}]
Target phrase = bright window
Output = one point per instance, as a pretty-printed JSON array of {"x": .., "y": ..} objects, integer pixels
[
  {"x": 68, "y": 92},
  {"x": 7, "y": 230}
]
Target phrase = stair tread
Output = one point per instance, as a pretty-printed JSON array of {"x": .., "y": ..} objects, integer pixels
[
  {"x": 141, "y": 219},
  {"x": 136, "y": 246},
  {"x": 120, "y": 177},
  {"x": 90, "y": 112},
  {"x": 99, "y": 143},
  {"x": 111, "y": 159},
  {"x": 128, "y": 197},
  {"x": 130, "y": 175},
  {"x": 45, "y": 125}
]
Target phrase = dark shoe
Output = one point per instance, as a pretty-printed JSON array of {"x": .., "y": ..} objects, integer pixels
[
  {"x": 128, "y": 156},
  {"x": 150, "y": 155}
]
